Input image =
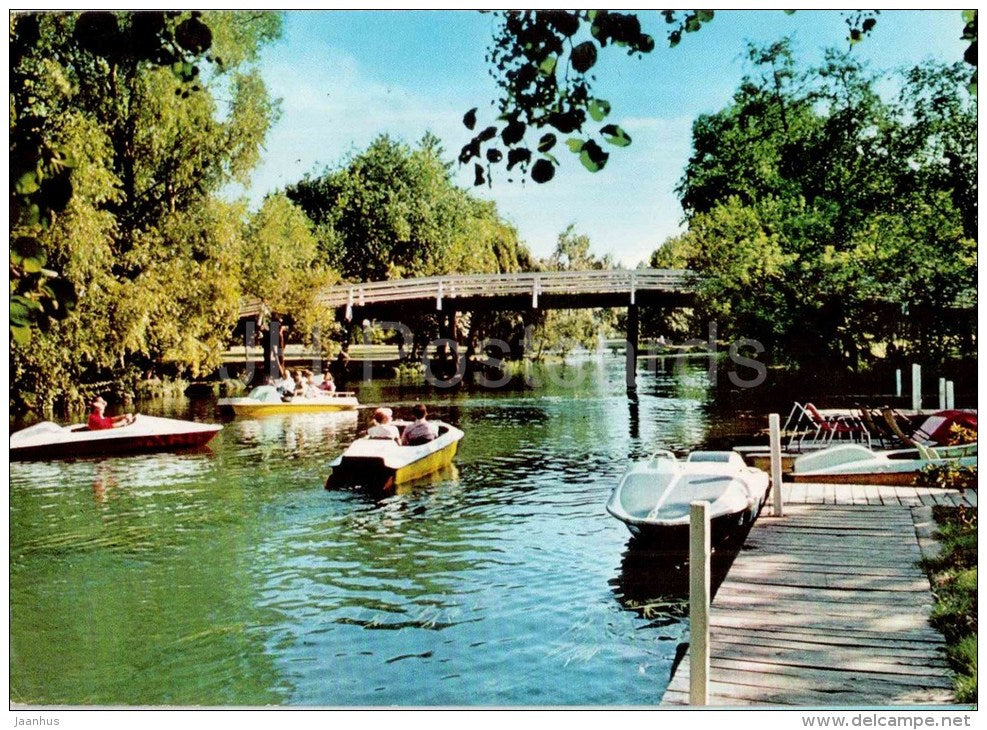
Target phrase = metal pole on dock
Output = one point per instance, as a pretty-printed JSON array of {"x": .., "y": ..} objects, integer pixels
[
  {"x": 897, "y": 383},
  {"x": 916, "y": 387},
  {"x": 950, "y": 401},
  {"x": 699, "y": 573},
  {"x": 942, "y": 393},
  {"x": 774, "y": 430}
]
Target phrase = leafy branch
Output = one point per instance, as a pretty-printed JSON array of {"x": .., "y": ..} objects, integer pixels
[
  {"x": 542, "y": 61},
  {"x": 41, "y": 170}
]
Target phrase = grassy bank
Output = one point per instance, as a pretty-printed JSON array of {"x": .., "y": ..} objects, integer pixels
[{"x": 954, "y": 583}]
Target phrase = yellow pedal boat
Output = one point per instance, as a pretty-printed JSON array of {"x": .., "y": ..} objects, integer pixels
[
  {"x": 381, "y": 464},
  {"x": 342, "y": 401}
]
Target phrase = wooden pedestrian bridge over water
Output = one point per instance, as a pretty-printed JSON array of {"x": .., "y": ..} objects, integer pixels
[
  {"x": 451, "y": 294},
  {"x": 514, "y": 291}
]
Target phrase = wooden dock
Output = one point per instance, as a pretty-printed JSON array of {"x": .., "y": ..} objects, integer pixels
[{"x": 827, "y": 605}]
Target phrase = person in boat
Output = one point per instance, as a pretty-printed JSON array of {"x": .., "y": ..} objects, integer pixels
[
  {"x": 98, "y": 422},
  {"x": 285, "y": 385},
  {"x": 311, "y": 389},
  {"x": 266, "y": 392},
  {"x": 299, "y": 384},
  {"x": 383, "y": 428},
  {"x": 421, "y": 431},
  {"x": 327, "y": 385}
]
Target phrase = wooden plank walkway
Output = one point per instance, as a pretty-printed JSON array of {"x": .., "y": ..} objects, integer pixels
[{"x": 827, "y": 606}]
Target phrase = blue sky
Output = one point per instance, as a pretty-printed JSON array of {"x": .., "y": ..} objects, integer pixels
[{"x": 344, "y": 77}]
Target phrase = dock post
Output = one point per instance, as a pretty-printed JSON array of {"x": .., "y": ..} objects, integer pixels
[
  {"x": 699, "y": 572},
  {"x": 916, "y": 387},
  {"x": 774, "y": 430},
  {"x": 942, "y": 393},
  {"x": 950, "y": 401},
  {"x": 897, "y": 383}
]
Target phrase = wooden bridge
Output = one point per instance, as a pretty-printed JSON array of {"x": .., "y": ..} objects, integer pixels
[
  {"x": 452, "y": 294},
  {"x": 518, "y": 291}
]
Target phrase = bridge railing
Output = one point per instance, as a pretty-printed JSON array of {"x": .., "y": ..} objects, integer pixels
[{"x": 535, "y": 283}]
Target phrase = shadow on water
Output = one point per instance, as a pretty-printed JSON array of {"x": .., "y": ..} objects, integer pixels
[
  {"x": 652, "y": 574},
  {"x": 653, "y": 582}
]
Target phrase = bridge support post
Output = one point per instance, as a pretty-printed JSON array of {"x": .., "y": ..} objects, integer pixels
[
  {"x": 630, "y": 363},
  {"x": 449, "y": 332},
  {"x": 449, "y": 328}
]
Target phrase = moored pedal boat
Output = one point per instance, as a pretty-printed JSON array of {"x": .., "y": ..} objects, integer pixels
[
  {"x": 653, "y": 498},
  {"x": 48, "y": 440},
  {"x": 856, "y": 464},
  {"x": 381, "y": 464}
]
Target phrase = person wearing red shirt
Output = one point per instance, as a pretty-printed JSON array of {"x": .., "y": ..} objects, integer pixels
[{"x": 97, "y": 421}]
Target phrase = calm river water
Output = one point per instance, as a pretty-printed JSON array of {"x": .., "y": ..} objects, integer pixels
[{"x": 233, "y": 578}]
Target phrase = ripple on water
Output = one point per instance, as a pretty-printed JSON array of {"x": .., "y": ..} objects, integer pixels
[{"x": 502, "y": 582}]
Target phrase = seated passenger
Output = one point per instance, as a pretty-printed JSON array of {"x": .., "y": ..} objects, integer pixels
[
  {"x": 97, "y": 421},
  {"x": 421, "y": 431},
  {"x": 383, "y": 428},
  {"x": 286, "y": 386},
  {"x": 328, "y": 384},
  {"x": 298, "y": 386},
  {"x": 312, "y": 389}
]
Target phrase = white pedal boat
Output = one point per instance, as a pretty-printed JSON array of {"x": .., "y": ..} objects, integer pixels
[{"x": 653, "y": 498}]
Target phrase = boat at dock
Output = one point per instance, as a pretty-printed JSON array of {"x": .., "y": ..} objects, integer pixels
[
  {"x": 653, "y": 498},
  {"x": 48, "y": 440},
  {"x": 809, "y": 429},
  {"x": 325, "y": 403},
  {"x": 381, "y": 464},
  {"x": 856, "y": 464}
]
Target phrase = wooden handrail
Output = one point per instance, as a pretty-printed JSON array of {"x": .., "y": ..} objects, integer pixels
[{"x": 452, "y": 286}]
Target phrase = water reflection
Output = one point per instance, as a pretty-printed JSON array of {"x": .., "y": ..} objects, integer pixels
[
  {"x": 445, "y": 478},
  {"x": 652, "y": 577},
  {"x": 155, "y": 472},
  {"x": 297, "y": 434}
]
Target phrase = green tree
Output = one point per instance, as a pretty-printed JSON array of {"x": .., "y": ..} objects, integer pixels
[
  {"x": 394, "y": 212},
  {"x": 820, "y": 213},
  {"x": 545, "y": 65},
  {"x": 562, "y": 330},
  {"x": 43, "y": 50},
  {"x": 147, "y": 148},
  {"x": 283, "y": 267}
]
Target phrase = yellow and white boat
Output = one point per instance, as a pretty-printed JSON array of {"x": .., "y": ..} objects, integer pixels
[
  {"x": 382, "y": 464},
  {"x": 327, "y": 402}
]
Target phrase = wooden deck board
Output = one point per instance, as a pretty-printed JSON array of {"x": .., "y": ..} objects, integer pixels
[
  {"x": 827, "y": 606},
  {"x": 858, "y": 494},
  {"x": 740, "y": 627},
  {"x": 817, "y": 579},
  {"x": 775, "y": 674},
  {"x": 785, "y": 563}
]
